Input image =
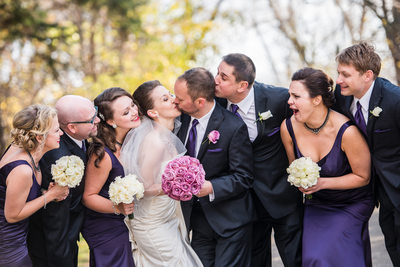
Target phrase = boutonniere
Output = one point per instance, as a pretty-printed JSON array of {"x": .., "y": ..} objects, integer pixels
[
  {"x": 376, "y": 111},
  {"x": 212, "y": 137},
  {"x": 264, "y": 116}
]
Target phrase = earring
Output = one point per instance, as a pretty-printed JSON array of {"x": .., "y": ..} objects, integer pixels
[{"x": 114, "y": 126}]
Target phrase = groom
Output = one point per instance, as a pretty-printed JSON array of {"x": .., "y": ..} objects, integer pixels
[
  {"x": 221, "y": 214},
  {"x": 373, "y": 103}
]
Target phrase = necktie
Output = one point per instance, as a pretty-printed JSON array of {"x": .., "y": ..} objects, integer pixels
[
  {"x": 234, "y": 109},
  {"x": 191, "y": 142},
  {"x": 83, "y": 146},
  {"x": 359, "y": 118}
]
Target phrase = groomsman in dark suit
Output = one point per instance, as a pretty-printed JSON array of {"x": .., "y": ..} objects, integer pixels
[
  {"x": 222, "y": 213},
  {"x": 373, "y": 103},
  {"x": 279, "y": 205},
  {"x": 54, "y": 231}
]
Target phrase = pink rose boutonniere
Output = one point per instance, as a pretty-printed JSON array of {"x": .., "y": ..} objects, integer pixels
[{"x": 212, "y": 137}]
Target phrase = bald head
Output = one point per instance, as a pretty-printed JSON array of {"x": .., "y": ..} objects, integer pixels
[{"x": 73, "y": 108}]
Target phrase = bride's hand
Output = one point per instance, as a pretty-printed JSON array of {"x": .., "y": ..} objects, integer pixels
[{"x": 126, "y": 209}]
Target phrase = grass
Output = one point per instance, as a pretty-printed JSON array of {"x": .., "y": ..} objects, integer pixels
[{"x": 83, "y": 255}]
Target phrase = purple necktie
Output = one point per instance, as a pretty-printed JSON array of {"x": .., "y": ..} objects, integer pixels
[
  {"x": 234, "y": 109},
  {"x": 83, "y": 146},
  {"x": 359, "y": 118},
  {"x": 191, "y": 141}
]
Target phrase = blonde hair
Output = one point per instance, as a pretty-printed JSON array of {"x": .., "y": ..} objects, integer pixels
[{"x": 31, "y": 122}]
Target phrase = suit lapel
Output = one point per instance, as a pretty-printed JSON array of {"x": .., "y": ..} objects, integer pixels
[
  {"x": 260, "y": 102},
  {"x": 214, "y": 122},
  {"x": 347, "y": 101},
  {"x": 375, "y": 100},
  {"x": 185, "y": 120},
  {"x": 73, "y": 147}
]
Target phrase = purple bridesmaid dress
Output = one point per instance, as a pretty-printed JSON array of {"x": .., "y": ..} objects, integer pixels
[
  {"x": 106, "y": 233},
  {"x": 335, "y": 230},
  {"x": 13, "y": 250}
]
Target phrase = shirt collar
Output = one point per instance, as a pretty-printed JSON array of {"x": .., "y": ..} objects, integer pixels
[
  {"x": 246, "y": 103},
  {"x": 79, "y": 143},
  {"x": 364, "y": 100},
  {"x": 203, "y": 121}
]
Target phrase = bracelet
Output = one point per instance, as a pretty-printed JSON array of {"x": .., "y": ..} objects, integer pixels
[
  {"x": 45, "y": 202},
  {"x": 115, "y": 210}
]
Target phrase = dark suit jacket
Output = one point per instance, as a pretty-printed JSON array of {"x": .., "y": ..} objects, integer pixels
[
  {"x": 279, "y": 198},
  {"x": 229, "y": 167},
  {"x": 383, "y": 135},
  {"x": 54, "y": 231}
]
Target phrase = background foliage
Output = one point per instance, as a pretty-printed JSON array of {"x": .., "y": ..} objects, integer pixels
[{"x": 49, "y": 48}]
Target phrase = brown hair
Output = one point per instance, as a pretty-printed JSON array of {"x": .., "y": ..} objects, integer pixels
[
  {"x": 317, "y": 83},
  {"x": 244, "y": 68},
  {"x": 200, "y": 83},
  {"x": 31, "y": 122},
  {"x": 105, "y": 132},
  {"x": 362, "y": 56},
  {"x": 142, "y": 95}
]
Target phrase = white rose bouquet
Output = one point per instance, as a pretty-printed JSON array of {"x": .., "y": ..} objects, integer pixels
[
  {"x": 303, "y": 172},
  {"x": 68, "y": 171},
  {"x": 124, "y": 190}
]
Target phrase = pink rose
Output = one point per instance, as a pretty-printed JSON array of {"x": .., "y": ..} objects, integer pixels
[
  {"x": 180, "y": 172},
  {"x": 175, "y": 193},
  {"x": 185, "y": 187},
  {"x": 166, "y": 186},
  {"x": 213, "y": 136},
  {"x": 173, "y": 165},
  {"x": 189, "y": 178},
  {"x": 195, "y": 188},
  {"x": 184, "y": 161},
  {"x": 168, "y": 175},
  {"x": 185, "y": 196}
]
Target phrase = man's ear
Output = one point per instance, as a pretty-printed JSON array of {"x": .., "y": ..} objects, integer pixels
[
  {"x": 243, "y": 86},
  {"x": 199, "y": 102},
  {"x": 72, "y": 128},
  {"x": 369, "y": 75}
]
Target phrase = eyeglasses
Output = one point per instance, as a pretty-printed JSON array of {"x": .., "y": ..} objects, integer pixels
[{"x": 91, "y": 121}]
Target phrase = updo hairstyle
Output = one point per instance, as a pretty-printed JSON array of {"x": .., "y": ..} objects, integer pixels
[
  {"x": 142, "y": 95},
  {"x": 317, "y": 83},
  {"x": 31, "y": 122}
]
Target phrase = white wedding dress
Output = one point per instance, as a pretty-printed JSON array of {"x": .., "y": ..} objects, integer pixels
[{"x": 157, "y": 231}]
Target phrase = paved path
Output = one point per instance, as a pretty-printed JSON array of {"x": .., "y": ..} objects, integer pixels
[{"x": 380, "y": 257}]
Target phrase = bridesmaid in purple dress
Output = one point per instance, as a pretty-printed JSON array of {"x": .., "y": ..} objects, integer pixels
[
  {"x": 35, "y": 131},
  {"x": 336, "y": 217},
  {"x": 104, "y": 228}
]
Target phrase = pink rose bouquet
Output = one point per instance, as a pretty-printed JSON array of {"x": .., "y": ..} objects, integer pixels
[{"x": 183, "y": 178}]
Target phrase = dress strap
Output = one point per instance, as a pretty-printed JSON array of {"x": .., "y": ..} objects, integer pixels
[
  {"x": 7, "y": 168},
  {"x": 289, "y": 126},
  {"x": 342, "y": 129}
]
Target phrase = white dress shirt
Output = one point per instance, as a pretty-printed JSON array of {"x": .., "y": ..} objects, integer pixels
[
  {"x": 247, "y": 110},
  {"x": 79, "y": 143},
  {"x": 364, "y": 102},
  {"x": 201, "y": 130}
]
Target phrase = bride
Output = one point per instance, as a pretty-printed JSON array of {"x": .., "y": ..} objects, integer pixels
[{"x": 158, "y": 232}]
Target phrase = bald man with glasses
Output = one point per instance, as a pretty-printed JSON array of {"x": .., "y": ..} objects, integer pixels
[{"x": 54, "y": 231}]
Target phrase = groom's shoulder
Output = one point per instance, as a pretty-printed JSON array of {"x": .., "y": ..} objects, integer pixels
[
  {"x": 229, "y": 119},
  {"x": 269, "y": 90}
]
